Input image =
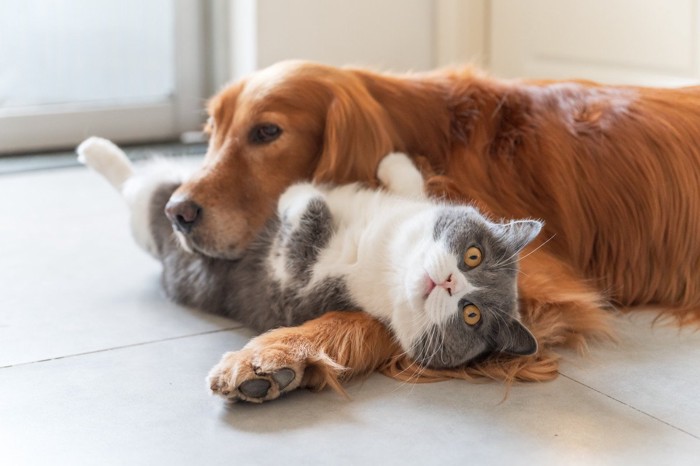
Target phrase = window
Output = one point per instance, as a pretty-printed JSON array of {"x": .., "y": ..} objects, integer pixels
[{"x": 73, "y": 68}]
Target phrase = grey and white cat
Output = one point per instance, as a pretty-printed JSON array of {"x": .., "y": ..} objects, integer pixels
[{"x": 442, "y": 277}]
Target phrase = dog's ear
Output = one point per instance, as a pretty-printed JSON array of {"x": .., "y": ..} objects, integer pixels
[{"x": 357, "y": 135}]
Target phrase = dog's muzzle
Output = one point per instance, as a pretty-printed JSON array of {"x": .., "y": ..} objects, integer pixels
[{"x": 184, "y": 214}]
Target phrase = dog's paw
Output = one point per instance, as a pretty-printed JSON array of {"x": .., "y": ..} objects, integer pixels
[{"x": 256, "y": 375}]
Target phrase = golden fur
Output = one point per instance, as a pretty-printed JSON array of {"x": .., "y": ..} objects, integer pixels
[{"x": 613, "y": 171}]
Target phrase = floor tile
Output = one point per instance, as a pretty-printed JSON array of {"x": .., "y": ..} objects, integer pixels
[
  {"x": 122, "y": 380},
  {"x": 653, "y": 367},
  {"x": 148, "y": 405},
  {"x": 73, "y": 280}
]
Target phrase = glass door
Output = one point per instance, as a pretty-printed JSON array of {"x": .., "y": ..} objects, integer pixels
[{"x": 129, "y": 70}]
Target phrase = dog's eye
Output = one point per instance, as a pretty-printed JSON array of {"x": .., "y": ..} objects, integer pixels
[
  {"x": 471, "y": 314},
  {"x": 263, "y": 134},
  {"x": 472, "y": 257}
]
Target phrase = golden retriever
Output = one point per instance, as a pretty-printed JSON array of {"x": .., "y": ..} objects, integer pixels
[{"x": 613, "y": 171}]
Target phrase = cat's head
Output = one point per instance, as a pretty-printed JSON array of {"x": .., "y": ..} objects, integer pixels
[{"x": 461, "y": 288}]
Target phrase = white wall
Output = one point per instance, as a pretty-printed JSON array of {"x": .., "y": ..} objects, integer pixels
[
  {"x": 385, "y": 34},
  {"x": 462, "y": 32},
  {"x": 652, "y": 42},
  {"x": 648, "y": 42}
]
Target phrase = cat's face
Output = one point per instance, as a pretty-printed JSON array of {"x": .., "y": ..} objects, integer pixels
[{"x": 461, "y": 289}]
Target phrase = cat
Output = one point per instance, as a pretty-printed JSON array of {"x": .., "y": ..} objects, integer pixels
[{"x": 442, "y": 277}]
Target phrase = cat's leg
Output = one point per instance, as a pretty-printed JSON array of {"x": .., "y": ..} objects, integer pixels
[
  {"x": 322, "y": 352},
  {"x": 307, "y": 226},
  {"x": 400, "y": 176},
  {"x": 295, "y": 201}
]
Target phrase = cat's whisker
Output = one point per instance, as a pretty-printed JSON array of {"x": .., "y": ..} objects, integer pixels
[
  {"x": 442, "y": 343},
  {"x": 436, "y": 343},
  {"x": 415, "y": 375},
  {"x": 414, "y": 346},
  {"x": 433, "y": 331},
  {"x": 502, "y": 259},
  {"x": 517, "y": 270},
  {"x": 529, "y": 253}
]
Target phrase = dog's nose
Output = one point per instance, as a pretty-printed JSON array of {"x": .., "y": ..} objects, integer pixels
[{"x": 183, "y": 213}]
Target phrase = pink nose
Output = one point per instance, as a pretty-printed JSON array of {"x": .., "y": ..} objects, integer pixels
[{"x": 450, "y": 285}]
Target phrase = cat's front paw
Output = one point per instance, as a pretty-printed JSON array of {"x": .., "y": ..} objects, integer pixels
[
  {"x": 255, "y": 376},
  {"x": 295, "y": 201},
  {"x": 399, "y": 175}
]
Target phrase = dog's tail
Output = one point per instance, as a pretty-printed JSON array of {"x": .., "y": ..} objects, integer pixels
[{"x": 107, "y": 159}]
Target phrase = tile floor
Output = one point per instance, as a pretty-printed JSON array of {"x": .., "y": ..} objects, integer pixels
[{"x": 96, "y": 367}]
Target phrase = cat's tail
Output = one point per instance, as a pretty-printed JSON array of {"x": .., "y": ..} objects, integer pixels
[
  {"x": 145, "y": 188},
  {"x": 107, "y": 159}
]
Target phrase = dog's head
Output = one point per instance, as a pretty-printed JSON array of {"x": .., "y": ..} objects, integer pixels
[{"x": 291, "y": 122}]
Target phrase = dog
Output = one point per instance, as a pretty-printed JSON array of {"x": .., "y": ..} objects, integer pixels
[{"x": 613, "y": 171}]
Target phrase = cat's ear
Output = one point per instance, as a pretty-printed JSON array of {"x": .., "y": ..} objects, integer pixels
[
  {"x": 521, "y": 232},
  {"x": 517, "y": 339}
]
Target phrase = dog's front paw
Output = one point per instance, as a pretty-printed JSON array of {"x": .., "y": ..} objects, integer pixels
[{"x": 256, "y": 375}]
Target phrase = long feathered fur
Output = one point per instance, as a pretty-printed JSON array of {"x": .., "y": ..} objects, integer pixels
[{"x": 613, "y": 171}]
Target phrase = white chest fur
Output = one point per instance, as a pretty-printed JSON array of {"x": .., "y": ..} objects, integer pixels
[{"x": 377, "y": 233}]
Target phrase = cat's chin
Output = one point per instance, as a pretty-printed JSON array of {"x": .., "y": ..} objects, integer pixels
[{"x": 418, "y": 287}]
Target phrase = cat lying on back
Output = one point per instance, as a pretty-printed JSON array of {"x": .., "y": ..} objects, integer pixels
[{"x": 442, "y": 277}]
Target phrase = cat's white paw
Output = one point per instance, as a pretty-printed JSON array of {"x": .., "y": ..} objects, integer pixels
[
  {"x": 295, "y": 201},
  {"x": 399, "y": 175}
]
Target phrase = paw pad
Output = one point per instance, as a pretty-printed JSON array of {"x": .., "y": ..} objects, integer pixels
[
  {"x": 284, "y": 377},
  {"x": 256, "y": 388}
]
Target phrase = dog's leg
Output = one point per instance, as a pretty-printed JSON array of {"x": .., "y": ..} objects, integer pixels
[
  {"x": 325, "y": 351},
  {"x": 560, "y": 307},
  {"x": 557, "y": 306}
]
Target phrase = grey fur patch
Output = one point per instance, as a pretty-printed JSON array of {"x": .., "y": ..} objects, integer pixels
[
  {"x": 303, "y": 243},
  {"x": 245, "y": 289}
]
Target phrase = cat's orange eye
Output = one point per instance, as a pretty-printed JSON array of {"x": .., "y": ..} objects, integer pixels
[
  {"x": 471, "y": 314},
  {"x": 472, "y": 257}
]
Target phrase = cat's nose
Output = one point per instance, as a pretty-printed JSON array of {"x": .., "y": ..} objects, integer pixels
[
  {"x": 183, "y": 213},
  {"x": 450, "y": 285}
]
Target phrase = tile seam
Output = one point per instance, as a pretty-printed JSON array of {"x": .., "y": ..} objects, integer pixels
[
  {"x": 630, "y": 406},
  {"x": 131, "y": 345}
]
